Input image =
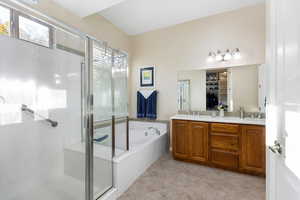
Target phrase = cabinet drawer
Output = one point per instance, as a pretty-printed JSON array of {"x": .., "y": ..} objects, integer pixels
[
  {"x": 225, "y": 128},
  {"x": 226, "y": 142},
  {"x": 224, "y": 159}
]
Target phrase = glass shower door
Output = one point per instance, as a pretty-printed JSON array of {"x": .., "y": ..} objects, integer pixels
[
  {"x": 42, "y": 153},
  {"x": 103, "y": 139},
  {"x": 120, "y": 92}
]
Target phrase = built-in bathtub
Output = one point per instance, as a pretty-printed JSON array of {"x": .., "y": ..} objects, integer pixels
[{"x": 145, "y": 147}]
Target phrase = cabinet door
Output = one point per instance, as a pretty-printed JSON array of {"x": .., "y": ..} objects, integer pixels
[
  {"x": 198, "y": 141},
  {"x": 253, "y": 149},
  {"x": 180, "y": 139}
]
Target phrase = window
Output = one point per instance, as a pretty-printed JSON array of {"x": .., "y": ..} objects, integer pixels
[
  {"x": 33, "y": 31},
  {"x": 25, "y": 27},
  {"x": 183, "y": 95},
  {"x": 4, "y": 21}
]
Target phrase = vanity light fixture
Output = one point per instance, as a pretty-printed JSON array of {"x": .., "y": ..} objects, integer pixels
[{"x": 222, "y": 57}]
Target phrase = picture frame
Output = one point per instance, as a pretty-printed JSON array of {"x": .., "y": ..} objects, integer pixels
[{"x": 147, "y": 76}]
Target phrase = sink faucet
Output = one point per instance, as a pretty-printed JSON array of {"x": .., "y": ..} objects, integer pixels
[
  {"x": 242, "y": 113},
  {"x": 259, "y": 115},
  {"x": 155, "y": 129}
]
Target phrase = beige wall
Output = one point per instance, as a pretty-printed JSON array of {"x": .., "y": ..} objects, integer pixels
[
  {"x": 186, "y": 46},
  {"x": 245, "y": 88}
]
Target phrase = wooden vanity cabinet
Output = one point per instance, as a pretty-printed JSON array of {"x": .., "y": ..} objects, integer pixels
[
  {"x": 180, "y": 134},
  {"x": 198, "y": 141},
  {"x": 253, "y": 149},
  {"x": 236, "y": 147},
  {"x": 190, "y": 140},
  {"x": 224, "y": 145}
]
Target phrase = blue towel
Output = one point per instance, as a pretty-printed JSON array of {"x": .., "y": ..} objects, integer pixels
[
  {"x": 101, "y": 139},
  {"x": 141, "y": 105},
  {"x": 146, "y": 107},
  {"x": 151, "y": 104}
]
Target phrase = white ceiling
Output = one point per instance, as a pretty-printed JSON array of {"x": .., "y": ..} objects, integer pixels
[
  {"x": 139, "y": 16},
  {"x": 85, "y": 8}
]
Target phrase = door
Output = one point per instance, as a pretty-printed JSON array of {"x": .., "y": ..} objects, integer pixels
[
  {"x": 180, "y": 139},
  {"x": 102, "y": 120},
  {"x": 42, "y": 154},
  {"x": 198, "y": 141},
  {"x": 253, "y": 149},
  {"x": 283, "y": 105}
]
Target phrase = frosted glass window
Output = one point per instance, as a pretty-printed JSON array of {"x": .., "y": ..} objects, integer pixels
[
  {"x": 183, "y": 90},
  {"x": 4, "y": 21},
  {"x": 119, "y": 71},
  {"x": 35, "y": 32},
  {"x": 102, "y": 66}
]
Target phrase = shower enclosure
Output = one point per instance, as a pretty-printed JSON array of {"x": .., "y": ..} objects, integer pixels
[{"x": 61, "y": 95}]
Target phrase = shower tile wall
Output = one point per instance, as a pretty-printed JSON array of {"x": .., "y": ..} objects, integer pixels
[{"x": 31, "y": 151}]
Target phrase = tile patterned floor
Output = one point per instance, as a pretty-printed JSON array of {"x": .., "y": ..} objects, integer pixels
[{"x": 168, "y": 179}]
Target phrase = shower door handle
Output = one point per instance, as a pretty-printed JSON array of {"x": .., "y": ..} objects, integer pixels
[
  {"x": 113, "y": 132},
  {"x": 127, "y": 133},
  {"x": 25, "y": 108}
]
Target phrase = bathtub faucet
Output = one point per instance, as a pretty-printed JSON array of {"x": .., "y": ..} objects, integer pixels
[{"x": 155, "y": 129}]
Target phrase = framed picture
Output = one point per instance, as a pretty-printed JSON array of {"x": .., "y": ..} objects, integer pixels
[{"x": 147, "y": 77}]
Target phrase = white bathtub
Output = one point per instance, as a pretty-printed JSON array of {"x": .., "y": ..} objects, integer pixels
[
  {"x": 127, "y": 166},
  {"x": 144, "y": 151}
]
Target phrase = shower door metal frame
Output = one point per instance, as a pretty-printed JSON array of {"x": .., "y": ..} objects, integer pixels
[{"x": 89, "y": 120}]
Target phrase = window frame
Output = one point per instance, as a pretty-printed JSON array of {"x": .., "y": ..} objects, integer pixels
[
  {"x": 10, "y": 34},
  {"x": 16, "y": 25}
]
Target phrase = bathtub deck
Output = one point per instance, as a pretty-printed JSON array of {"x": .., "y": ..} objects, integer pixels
[
  {"x": 100, "y": 151},
  {"x": 168, "y": 179}
]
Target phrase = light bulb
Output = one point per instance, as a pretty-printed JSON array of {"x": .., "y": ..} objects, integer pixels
[
  {"x": 237, "y": 54},
  {"x": 210, "y": 57},
  {"x": 227, "y": 55},
  {"x": 219, "y": 56}
]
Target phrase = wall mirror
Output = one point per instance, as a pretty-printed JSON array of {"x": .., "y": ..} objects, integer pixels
[{"x": 232, "y": 87}]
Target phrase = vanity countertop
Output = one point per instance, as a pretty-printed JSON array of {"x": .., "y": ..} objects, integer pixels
[{"x": 207, "y": 118}]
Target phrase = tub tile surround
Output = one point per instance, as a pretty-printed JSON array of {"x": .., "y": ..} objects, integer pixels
[{"x": 226, "y": 119}]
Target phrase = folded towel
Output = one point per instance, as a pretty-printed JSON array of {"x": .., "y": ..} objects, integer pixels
[
  {"x": 141, "y": 105},
  {"x": 101, "y": 139},
  {"x": 146, "y": 93},
  {"x": 147, "y": 104},
  {"x": 151, "y": 106}
]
